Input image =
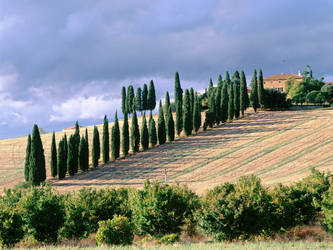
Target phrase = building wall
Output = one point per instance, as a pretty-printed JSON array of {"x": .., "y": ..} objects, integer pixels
[{"x": 278, "y": 84}]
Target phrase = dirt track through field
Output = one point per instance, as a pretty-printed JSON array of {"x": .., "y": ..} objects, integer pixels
[{"x": 276, "y": 146}]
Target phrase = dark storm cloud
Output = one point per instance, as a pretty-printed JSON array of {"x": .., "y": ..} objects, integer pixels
[{"x": 60, "y": 56}]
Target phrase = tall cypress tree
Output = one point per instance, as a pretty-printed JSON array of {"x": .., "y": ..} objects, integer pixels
[
  {"x": 236, "y": 90},
  {"x": 87, "y": 147},
  {"x": 76, "y": 146},
  {"x": 125, "y": 136},
  {"x": 161, "y": 130},
  {"x": 27, "y": 159},
  {"x": 196, "y": 114},
  {"x": 152, "y": 130},
  {"x": 83, "y": 164},
  {"x": 167, "y": 102},
  {"x": 187, "y": 116},
  {"x": 115, "y": 139},
  {"x": 179, "y": 104},
  {"x": 71, "y": 157},
  {"x": 145, "y": 97},
  {"x": 144, "y": 133},
  {"x": 244, "y": 97},
  {"x": 231, "y": 101},
  {"x": 130, "y": 99},
  {"x": 135, "y": 134},
  {"x": 191, "y": 100},
  {"x": 225, "y": 98},
  {"x": 261, "y": 92},
  {"x": 53, "y": 163},
  {"x": 170, "y": 125},
  {"x": 61, "y": 160},
  {"x": 254, "y": 92},
  {"x": 138, "y": 99},
  {"x": 106, "y": 140},
  {"x": 218, "y": 100},
  {"x": 151, "y": 96},
  {"x": 212, "y": 107},
  {"x": 123, "y": 100},
  {"x": 37, "y": 171},
  {"x": 95, "y": 148},
  {"x": 210, "y": 87},
  {"x": 66, "y": 147}
]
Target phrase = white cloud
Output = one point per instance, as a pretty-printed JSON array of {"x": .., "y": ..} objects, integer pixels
[{"x": 92, "y": 107}]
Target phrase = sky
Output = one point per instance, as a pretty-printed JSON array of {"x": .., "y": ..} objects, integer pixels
[{"x": 62, "y": 61}]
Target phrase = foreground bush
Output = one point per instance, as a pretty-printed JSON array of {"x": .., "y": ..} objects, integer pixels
[
  {"x": 117, "y": 231},
  {"x": 11, "y": 226},
  {"x": 237, "y": 211},
  {"x": 43, "y": 213},
  {"x": 327, "y": 208},
  {"x": 89, "y": 206},
  {"x": 161, "y": 209}
]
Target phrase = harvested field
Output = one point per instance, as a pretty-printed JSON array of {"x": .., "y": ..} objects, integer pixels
[{"x": 276, "y": 146}]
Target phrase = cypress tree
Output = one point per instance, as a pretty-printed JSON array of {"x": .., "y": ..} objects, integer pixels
[
  {"x": 244, "y": 98},
  {"x": 106, "y": 140},
  {"x": 170, "y": 125},
  {"x": 236, "y": 90},
  {"x": 152, "y": 130},
  {"x": 196, "y": 114},
  {"x": 191, "y": 100},
  {"x": 123, "y": 100},
  {"x": 53, "y": 156},
  {"x": 218, "y": 100},
  {"x": 115, "y": 139},
  {"x": 151, "y": 96},
  {"x": 27, "y": 159},
  {"x": 76, "y": 146},
  {"x": 66, "y": 147},
  {"x": 231, "y": 101},
  {"x": 144, "y": 133},
  {"x": 95, "y": 148},
  {"x": 71, "y": 157},
  {"x": 61, "y": 160},
  {"x": 138, "y": 100},
  {"x": 125, "y": 136},
  {"x": 210, "y": 87},
  {"x": 187, "y": 116},
  {"x": 212, "y": 107},
  {"x": 135, "y": 134},
  {"x": 130, "y": 99},
  {"x": 145, "y": 97},
  {"x": 83, "y": 155},
  {"x": 161, "y": 130},
  {"x": 87, "y": 147},
  {"x": 179, "y": 105},
  {"x": 37, "y": 171},
  {"x": 225, "y": 98},
  {"x": 254, "y": 92},
  {"x": 167, "y": 102},
  {"x": 261, "y": 92}
]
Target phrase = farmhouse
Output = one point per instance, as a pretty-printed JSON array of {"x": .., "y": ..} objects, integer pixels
[{"x": 278, "y": 81}]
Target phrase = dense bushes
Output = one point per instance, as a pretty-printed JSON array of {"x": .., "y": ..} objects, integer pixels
[
  {"x": 274, "y": 99},
  {"x": 327, "y": 208}
]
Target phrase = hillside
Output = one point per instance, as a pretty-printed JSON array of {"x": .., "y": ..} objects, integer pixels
[{"x": 276, "y": 146}]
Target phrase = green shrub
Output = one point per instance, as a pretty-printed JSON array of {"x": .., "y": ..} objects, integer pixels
[
  {"x": 159, "y": 209},
  {"x": 43, "y": 213},
  {"x": 327, "y": 210},
  {"x": 117, "y": 231},
  {"x": 11, "y": 226},
  {"x": 168, "y": 239},
  {"x": 236, "y": 211},
  {"x": 88, "y": 206}
]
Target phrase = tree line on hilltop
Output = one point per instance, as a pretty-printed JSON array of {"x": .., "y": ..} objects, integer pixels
[{"x": 224, "y": 102}]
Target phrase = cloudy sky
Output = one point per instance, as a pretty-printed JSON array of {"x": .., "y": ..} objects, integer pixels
[{"x": 62, "y": 61}]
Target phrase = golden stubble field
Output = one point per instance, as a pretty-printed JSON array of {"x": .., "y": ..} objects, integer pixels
[{"x": 276, "y": 146}]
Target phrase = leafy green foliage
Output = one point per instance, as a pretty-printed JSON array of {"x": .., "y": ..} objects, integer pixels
[
  {"x": 106, "y": 141},
  {"x": 53, "y": 162},
  {"x": 244, "y": 97},
  {"x": 27, "y": 159},
  {"x": 115, "y": 139},
  {"x": 254, "y": 92},
  {"x": 179, "y": 104},
  {"x": 316, "y": 97},
  {"x": 123, "y": 100},
  {"x": 96, "y": 148},
  {"x": 327, "y": 208},
  {"x": 145, "y": 97},
  {"x": 327, "y": 90},
  {"x": 187, "y": 114},
  {"x": 218, "y": 115},
  {"x": 168, "y": 239},
  {"x": 231, "y": 111},
  {"x": 196, "y": 114},
  {"x": 151, "y": 96},
  {"x": 135, "y": 134},
  {"x": 70, "y": 157},
  {"x": 43, "y": 213},
  {"x": 236, "y": 92},
  {"x": 61, "y": 160},
  {"x": 144, "y": 133},
  {"x": 118, "y": 231},
  {"x": 170, "y": 125},
  {"x": 130, "y": 99},
  {"x": 161, "y": 129},
  {"x": 275, "y": 100},
  {"x": 125, "y": 136},
  {"x": 152, "y": 130},
  {"x": 83, "y": 154},
  {"x": 225, "y": 98},
  {"x": 37, "y": 171},
  {"x": 138, "y": 100},
  {"x": 261, "y": 92}
]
